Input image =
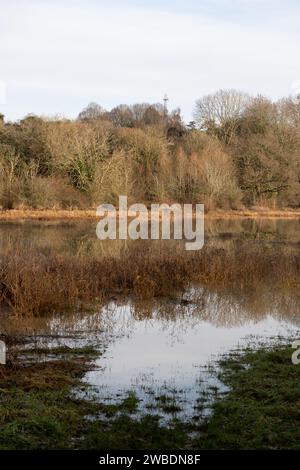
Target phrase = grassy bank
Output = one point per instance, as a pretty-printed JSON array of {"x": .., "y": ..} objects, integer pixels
[
  {"x": 262, "y": 409},
  {"x": 36, "y": 408},
  {"x": 39, "y": 409}
]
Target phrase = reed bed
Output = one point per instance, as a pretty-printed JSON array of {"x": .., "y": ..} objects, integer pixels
[{"x": 37, "y": 283}]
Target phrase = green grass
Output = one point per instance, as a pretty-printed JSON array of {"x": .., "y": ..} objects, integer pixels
[
  {"x": 38, "y": 409},
  {"x": 262, "y": 410},
  {"x": 167, "y": 404}
]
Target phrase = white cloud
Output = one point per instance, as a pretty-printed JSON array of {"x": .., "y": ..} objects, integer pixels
[{"x": 57, "y": 58}]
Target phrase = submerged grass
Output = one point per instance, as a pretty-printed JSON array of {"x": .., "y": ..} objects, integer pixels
[
  {"x": 39, "y": 409},
  {"x": 62, "y": 350}
]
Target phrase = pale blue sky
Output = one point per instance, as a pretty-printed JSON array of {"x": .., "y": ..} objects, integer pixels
[{"x": 57, "y": 56}]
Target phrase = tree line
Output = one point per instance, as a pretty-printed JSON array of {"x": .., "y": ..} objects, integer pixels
[{"x": 238, "y": 151}]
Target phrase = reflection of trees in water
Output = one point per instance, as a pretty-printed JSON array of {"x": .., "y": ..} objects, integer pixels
[
  {"x": 176, "y": 317},
  {"x": 79, "y": 237},
  {"x": 256, "y": 229},
  {"x": 179, "y": 316},
  {"x": 193, "y": 307},
  {"x": 223, "y": 309}
]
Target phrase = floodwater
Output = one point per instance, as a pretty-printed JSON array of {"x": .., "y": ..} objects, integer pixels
[
  {"x": 167, "y": 358},
  {"x": 163, "y": 350}
]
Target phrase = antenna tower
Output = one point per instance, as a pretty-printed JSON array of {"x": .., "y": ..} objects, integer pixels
[{"x": 166, "y": 99}]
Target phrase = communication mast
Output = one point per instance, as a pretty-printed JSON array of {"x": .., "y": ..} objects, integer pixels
[{"x": 166, "y": 99}]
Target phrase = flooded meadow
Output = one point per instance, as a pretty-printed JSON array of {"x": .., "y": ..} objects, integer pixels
[{"x": 157, "y": 342}]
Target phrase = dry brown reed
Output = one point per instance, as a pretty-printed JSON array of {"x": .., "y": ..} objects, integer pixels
[{"x": 33, "y": 283}]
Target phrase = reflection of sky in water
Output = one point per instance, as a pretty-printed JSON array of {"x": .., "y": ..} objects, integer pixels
[
  {"x": 163, "y": 355},
  {"x": 166, "y": 347}
]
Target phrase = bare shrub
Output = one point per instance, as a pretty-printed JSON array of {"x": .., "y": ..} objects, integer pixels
[
  {"x": 51, "y": 193},
  {"x": 10, "y": 181},
  {"x": 204, "y": 172},
  {"x": 147, "y": 150},
  {"x": 113, "y": 176}
]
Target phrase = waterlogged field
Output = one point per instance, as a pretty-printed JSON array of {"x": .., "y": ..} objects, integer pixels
[{"x": 146, "y": 345}]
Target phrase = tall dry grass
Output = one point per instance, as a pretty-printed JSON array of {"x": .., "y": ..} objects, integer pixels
[{"x": 32, "y": 283}]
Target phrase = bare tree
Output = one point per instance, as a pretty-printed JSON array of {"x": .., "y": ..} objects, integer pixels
[
  {"x": 289, "y": 110},
  {"x": 220, "y": 111},
  {"x": 92, "y": 111},
  {"x": 147, "y": 114},
  {"x": 122, "y": 116}
]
